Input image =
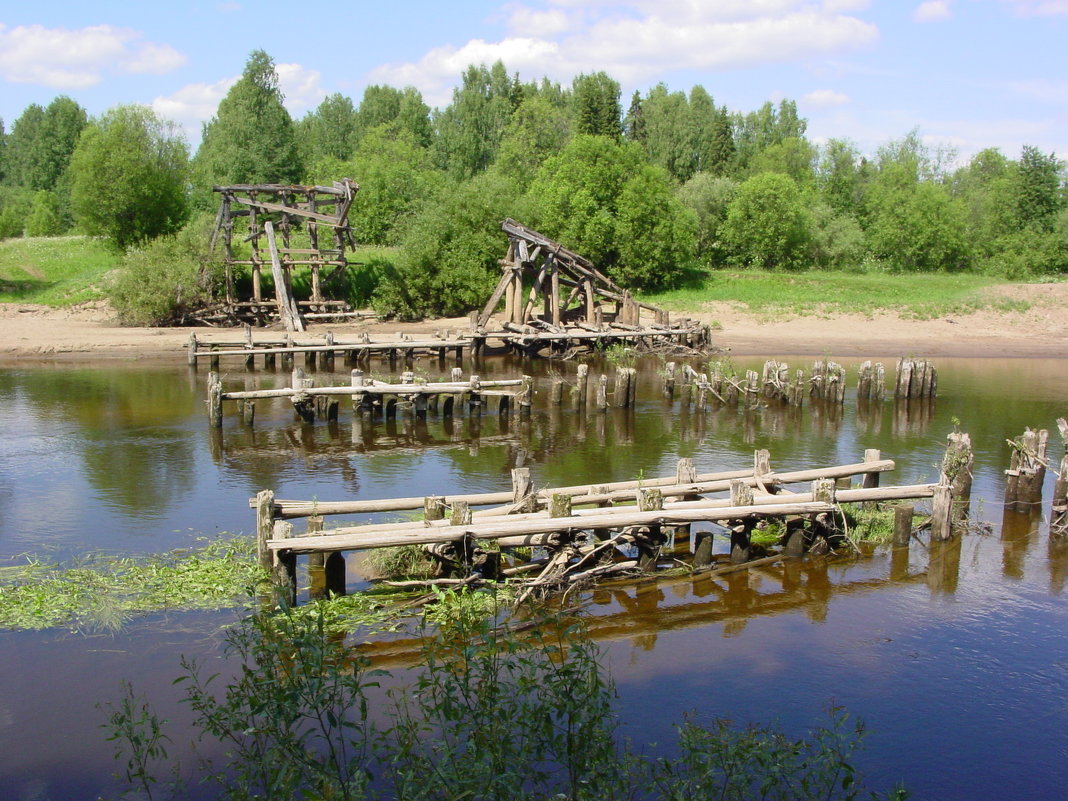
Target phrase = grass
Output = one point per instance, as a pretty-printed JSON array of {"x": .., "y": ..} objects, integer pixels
[
  {"x": 54, "y": 271},
  {"x": 921, "y": 296},
  {"x": 870, "y": 524}
]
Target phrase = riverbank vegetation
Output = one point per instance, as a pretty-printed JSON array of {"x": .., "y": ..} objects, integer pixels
[
  {"x": 491, "y": 713},
  {"x": 670, "y": 192}
]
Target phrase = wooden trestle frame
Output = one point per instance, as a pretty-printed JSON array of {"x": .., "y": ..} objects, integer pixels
[
  {"x": 550, "y": 270},
  {"x": 273, "y": 206}
]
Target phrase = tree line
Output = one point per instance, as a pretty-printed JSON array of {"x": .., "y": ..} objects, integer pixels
[{"x": 658, "y": 193}]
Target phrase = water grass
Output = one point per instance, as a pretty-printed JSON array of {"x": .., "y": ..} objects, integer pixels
[
  {"x": 770, "y": 294},
  {"x": 870, "y": 523},
  {"x": 54, "y": 271},
  {"x": 102, "y": 592}
]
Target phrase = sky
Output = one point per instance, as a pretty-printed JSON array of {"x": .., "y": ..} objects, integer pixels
[{"x": 967, "y": 74}]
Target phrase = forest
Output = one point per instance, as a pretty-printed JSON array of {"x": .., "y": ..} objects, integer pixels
[{"x": 659, "y": 191}]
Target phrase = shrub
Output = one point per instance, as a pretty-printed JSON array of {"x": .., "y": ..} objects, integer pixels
[{"x": 163, "y": 281}]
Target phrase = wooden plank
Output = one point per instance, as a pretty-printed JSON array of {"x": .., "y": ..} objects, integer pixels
[{"x": 287, "y": 309}]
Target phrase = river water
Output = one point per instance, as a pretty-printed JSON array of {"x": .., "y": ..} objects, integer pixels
[{"x": 957, "y": 659}]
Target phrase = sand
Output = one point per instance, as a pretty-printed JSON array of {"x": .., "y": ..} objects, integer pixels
[{"x": 34, "y": 333}]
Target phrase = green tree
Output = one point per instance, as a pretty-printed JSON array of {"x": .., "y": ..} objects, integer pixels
[
  {"x": 25, "y": 145},
  {"x": 251, "y": 139},
  {"x": 330, "y": 130},
  {"x": 709, "y": 197},
  {"x": 470, "y": 129},
  {"x": 129, "y": 174},
  {"x": 767, "y": 126},
  {"x": 792, "y": 156},
  {"x": 1038, "y": 189},
  {"x": 670, "y": 139},
  {"x": 766, "y": 225},
  {"x": 838, "y": 175},
  {"x": 44, "y": 219},
  {"x": 538, "y": 129},
  {"x": 596, "y": 104},
  {"x": 633, "y": 122},
  {"x": 657, "y": 234},
  {"x": 3, "y": 152},
  {"x": 575, "y": 193},
  {"x": 917, "y": 227},
  {"x": 394, "y": 173},
  {"x": 448, "y": 262}
]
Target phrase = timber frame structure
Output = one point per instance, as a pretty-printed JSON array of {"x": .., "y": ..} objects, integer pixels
[
  {"x": 322, "y": 211},
  {"x": 549, "y": 289}
]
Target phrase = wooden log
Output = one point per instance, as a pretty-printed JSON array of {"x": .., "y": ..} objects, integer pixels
[
  {"x": 556, "y": 393},
  {"x": 284, "y": 564},
  {"x": 287, "y": 308},
  {"x": 601, "y": 402},
  {"x": 669, "y": 379},
  {"x": 871, "y": 480},
  {"x": 957, "y": 472},
  {"x": 582, "y": 386},
  {"x": 434, "y": 507},
  {"x": 248, "y": 412},
  {"x": 621, "y": 393}
]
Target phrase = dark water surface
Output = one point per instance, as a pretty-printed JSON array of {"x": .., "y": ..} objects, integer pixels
[{"x": 957, "y": 659}]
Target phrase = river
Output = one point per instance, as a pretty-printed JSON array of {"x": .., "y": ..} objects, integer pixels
[{"x": 957, "y": 661}]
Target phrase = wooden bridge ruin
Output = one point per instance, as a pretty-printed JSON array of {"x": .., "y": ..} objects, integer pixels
[
  {"x": 554, "y": 297},
  {"x": 274, "y": 210},
  {"x": 590, "y": 532}
]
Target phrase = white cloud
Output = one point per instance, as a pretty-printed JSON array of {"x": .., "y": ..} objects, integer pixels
[
  {"x": 825, "y": 98},
  {"x": 300, "y": 86},
  {"x": 636, "y": 40},
  {"x": 1038, "y": 8},
  {"x": 193, "y": 104},
  {"x": 60, "y": 58},
  {"x": 932, "y": 11}
]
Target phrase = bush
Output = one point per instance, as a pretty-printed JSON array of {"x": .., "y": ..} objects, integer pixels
[{"x": 162, "y": 282}]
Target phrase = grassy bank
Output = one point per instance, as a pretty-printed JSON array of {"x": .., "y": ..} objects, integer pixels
[
  {"x": 54, "y": 271},
  {"x": 912, "y": 295}
]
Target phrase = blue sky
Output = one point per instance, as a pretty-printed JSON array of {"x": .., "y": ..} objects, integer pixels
[{"x": 967, "y": 74}]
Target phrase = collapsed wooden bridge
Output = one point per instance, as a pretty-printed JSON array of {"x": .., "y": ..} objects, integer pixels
[{"x": 587, "y": 531}]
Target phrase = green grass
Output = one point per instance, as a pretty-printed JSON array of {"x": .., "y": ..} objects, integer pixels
[
  {"x": 922, "y": 296},
  {"x": 54, "y": 271}
]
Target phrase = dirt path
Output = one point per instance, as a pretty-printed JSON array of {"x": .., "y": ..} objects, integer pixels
[{"x": 39, "y": 333}]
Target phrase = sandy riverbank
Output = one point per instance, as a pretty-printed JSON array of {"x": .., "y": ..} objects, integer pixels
[{"x": 39, "y": 333}]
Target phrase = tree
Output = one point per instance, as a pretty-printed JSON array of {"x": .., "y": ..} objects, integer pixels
[
  {"x": 1038, "y": 188},
  {"x": 448, "y": 259},
  {"x": 766, "y": 225},
  {"x": 633, "y": 123},
  {"x": 792, "y": 156},
  {"x": 709, "y": 197},
  {"x": 394, "y": 173},
  {"x": 838, "y": 175},
  {"x": 538, "y": 129},
  {"x": 330, "y": 130},
  {"x": 917, "y": 227},
  {"x": 669, "y": 132},
  {"x": 251, "y": 139},
  {"x": 128, "y": 177},
  {"x": 765, "y": 127},
  {"x": 470, "y": 128},
  {"x": 44, "y": 219},
  {"x": 596, "y": 104},
  {"x": 657, "y": 234},
  {"x": 24, "y": 146}
]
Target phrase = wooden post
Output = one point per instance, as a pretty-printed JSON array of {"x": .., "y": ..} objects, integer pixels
[
  {"x": 522, "y": 495},
  {"x": 622, "y": 387},
  {"x": 248, "y": 412},
  {"x": 192, "y": 353},
  {"x": 559, "y": 505},
  {"x": 957, "y": 472},
  {"x": 669, "y": 379},
  {"x": 526, "y": 396},
  {"x": 214, "y": 400},
  {"x": 632, "y": 386},
  {"x": 942, "y": 513},
  {"x": 903, "y": 514},
  {"x": 871, "y": 480},
  {"x": 601, "y": 402},
  {"x": 650, "y": 499},
  {"x": 433, "y": 507},
  {"x": 264, "y": 527},
  {"x": 334, "y": 573},
  {"x": 357, "y": 397},
  {"x": 556, "y": 392},
  {"x": 284, "y": 568},
  {"x": 582, "y": 386}
]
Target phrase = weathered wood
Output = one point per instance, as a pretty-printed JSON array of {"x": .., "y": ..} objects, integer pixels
[
  {"x": 957, "y": 472},
  {"x": 287, "y": 308},
  {"x": 942, "y": 513},
  {"x": 903, "y": 515},
  {"x": 215, "y": 397},
  {"x": 264, "y": 503}
]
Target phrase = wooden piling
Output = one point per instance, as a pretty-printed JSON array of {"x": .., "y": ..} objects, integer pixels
[
  {"x": 942, "y": 513},
  {"x": 1027, "y": 470},
  {"x": 903, "y": 514},
  {"x": 669, "y": 379},
  {"x": 601, "y": 402},
  {"x": 248, "y": 412},
  {"x": 621, "y": 390},
  {"x": 264, "y": 527},
  {"x": 650, "y": 542},
  {"x": 214, "y": 400},
  {"x": 957, "y": 472},
  {"x": 1058, "y": 517},
  {"x": 582, "y": 380}
]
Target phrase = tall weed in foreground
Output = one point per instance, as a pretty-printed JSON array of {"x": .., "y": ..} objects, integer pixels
[{"x": 490, "y": 714}]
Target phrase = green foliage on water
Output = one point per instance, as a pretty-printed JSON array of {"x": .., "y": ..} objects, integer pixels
[
  {"x": 489, "y": 713},
  {"x": 869, "y": 523},
  {"x": 54, "y": 271},
  {"x": 102, "y": 592}
]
